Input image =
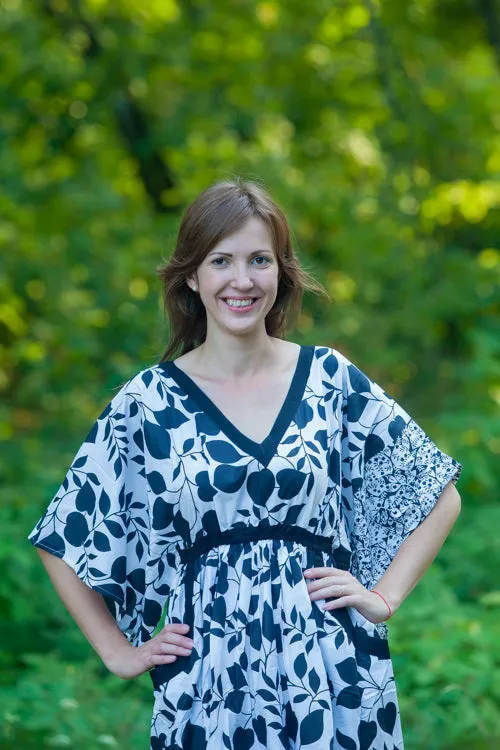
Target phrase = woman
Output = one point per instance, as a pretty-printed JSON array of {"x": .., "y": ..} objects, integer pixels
[{"x": 277, "y": 499}]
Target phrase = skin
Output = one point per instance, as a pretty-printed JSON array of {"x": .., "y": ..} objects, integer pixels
[
  {"x": 89, "y": 611},
  {"x": 237, "y": 346},
  {"x": 238, "y": 351},
  {"x": 409, "y": 565}
]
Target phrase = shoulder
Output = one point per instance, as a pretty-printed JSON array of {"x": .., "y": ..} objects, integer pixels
[
  {"x": 150, "y": 383},
  {"x": 335, "y": 361},
  {"x": 332, "y": 361},
  {"x": 341, "y": 372}
]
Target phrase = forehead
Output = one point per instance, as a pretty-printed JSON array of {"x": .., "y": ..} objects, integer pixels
[{"x": 252, "y": 236}]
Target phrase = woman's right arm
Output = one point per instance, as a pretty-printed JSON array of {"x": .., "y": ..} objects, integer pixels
[{"x": 88, "y": 609}]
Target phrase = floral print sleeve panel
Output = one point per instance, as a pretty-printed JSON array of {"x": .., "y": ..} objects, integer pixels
[
  {"x": 393, "y": 474},
  {"x": 169, "y": 509}
]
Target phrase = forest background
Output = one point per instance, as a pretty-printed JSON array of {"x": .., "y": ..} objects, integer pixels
[{"x": 376, "y": 126}]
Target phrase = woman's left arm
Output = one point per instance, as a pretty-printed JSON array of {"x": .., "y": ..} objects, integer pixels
[
  {"x": 411, "y": 561},
  {"x": 419, "y": 549}
]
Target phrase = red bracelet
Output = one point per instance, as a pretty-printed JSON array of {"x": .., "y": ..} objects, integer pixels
[{"x": 385, "y": 600}]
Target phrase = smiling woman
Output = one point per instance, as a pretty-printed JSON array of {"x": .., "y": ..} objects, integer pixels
[
  {"x": 267, "y": 499},
  {"x": 233, "y": 238},
  {"x": 240, "y": 301},
  {"x": 239, "y": 284}
]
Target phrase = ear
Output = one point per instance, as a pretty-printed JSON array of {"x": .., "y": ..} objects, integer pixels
[{"x": 192, "y": 283}]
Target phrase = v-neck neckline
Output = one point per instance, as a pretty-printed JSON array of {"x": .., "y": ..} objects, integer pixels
[{"x": 266, "y": 449}]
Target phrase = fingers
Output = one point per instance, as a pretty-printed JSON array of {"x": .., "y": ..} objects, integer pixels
[
  {"x": 317, "y": 572},
  {"x": 165, "y": 647},
  {"x": 172, "y": 648},
  {"x": 170, "y": 636},
  {"x": 329, "y": 587},
  {"x": 336, "y": 590},
  {"x": 158, "y": 659},
  {"x": 319, "y": 576},
  {"x": 333, "y": 582},
  {"x": 343, "y": 601},
  {"x": 180, "y": 628},
  {"x": 176, "y": 630}
]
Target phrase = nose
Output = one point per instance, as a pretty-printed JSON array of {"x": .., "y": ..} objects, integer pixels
[{"x": 241, "y": 277}]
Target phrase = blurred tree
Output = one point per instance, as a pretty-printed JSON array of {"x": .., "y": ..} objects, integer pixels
[{"x": 377, "y": 128}]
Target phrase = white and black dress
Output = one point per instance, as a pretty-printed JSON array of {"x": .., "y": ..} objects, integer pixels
[{"x": 167, "y": 501}]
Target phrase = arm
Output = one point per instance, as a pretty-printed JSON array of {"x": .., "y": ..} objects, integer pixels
[
  {"x": 411, "y": 561},
  {"x": 419, "y": 550},
  {"x": 88, "y": 609}
]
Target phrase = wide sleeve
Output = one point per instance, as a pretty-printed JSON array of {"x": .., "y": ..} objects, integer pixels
[
  {"x": 393, "y": 474},
  {"x": 98, "y": 521}
]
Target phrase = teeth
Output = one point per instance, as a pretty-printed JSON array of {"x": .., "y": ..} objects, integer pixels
[{"x": 239, "y": 302}]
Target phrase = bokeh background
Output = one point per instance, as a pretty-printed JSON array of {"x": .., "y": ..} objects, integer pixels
[{"x": 376, "y": 126}]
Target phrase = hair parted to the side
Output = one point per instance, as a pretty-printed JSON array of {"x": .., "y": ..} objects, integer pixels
[{"x": 219, "y": 211}]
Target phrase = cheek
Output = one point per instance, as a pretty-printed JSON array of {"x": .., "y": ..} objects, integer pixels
[
  {"x": 213, "y": 280},
  {"x": 271, "y": 278}
]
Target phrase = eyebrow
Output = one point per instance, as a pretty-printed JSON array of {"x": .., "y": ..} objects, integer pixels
[{"x": 230, "y": 255}]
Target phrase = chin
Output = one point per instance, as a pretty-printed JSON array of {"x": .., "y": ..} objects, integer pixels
[{"x": 240, "y": 326}]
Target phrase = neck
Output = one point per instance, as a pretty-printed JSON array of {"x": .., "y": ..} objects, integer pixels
[{"x": 237, "y": 357}]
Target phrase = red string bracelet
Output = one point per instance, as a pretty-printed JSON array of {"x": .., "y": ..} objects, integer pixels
[{"x": 385, "y": 600}]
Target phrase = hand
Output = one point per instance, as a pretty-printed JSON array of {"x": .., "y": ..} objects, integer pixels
[
  {"x": 162, "y": 649},
  {"x": 348, "y": 590}
]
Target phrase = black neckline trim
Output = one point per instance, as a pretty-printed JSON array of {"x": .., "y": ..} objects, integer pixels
[{"x": 265, "y": 450}]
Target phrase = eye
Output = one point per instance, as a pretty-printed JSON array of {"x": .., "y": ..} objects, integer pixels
[
  {"x": 262, "y": 257},
  {"x": 215, "y": 263}
]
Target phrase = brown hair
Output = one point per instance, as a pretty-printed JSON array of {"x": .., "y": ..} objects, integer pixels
[{"x": 215, "y": 214}]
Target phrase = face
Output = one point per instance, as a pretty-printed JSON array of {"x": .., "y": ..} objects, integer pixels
[{"x": 238, "y": 280}]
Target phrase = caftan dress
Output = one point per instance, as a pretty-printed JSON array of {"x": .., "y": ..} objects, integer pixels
[{"x": 174, "y": 515}]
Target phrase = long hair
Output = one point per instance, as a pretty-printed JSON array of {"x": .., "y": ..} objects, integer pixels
[{"x": 219, "y": 211}]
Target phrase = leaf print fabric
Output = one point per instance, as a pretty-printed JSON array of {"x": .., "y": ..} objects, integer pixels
[
  {"x": 167, "y": 501},
  {"x": 98, "y": 522}
]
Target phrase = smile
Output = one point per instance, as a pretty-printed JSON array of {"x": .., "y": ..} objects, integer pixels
[{"x": 240, "y": 305}]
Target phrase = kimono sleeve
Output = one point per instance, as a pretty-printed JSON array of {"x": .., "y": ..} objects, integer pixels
[
  {"x": 98, "y": 521},
  {"x": 395, "y": 474}
]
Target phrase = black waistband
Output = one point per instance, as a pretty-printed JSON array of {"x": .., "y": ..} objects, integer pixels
[{"x": 241, "y": 534}]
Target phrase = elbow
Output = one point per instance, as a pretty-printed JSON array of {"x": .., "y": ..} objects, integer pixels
[
  {"x": 454, "y": 499},
  {"x": 450, "y": 501},
  {"x": 457, "y": 496}
]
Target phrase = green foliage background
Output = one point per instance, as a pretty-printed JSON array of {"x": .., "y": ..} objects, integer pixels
[{"x": 376, "y": 125}]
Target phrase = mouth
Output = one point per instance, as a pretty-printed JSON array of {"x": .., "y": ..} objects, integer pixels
[{"x": 240, "y": 305}]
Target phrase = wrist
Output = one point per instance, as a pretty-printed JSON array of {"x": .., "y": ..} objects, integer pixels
[
  {"x": 391, "y": 596},
  {"x": 115, "y": 658},
  {"x": 390, "y": 607}
]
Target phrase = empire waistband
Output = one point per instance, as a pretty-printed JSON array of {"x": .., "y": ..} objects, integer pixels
[{"x": 239, "y": 535}]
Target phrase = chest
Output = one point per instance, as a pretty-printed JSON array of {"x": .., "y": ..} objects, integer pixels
[{"x": 252, "y": 408}]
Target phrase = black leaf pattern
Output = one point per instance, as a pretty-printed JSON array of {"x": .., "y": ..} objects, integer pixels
[{"x": 167, "y": 509}]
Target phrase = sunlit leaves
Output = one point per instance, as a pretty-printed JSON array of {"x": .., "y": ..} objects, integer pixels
[{"x": 381, "y": 144}]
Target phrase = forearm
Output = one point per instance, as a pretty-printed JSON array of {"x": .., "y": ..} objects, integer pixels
[
  {"x": 88, "y": 609},
  {"x": 419, "y": 550}
]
